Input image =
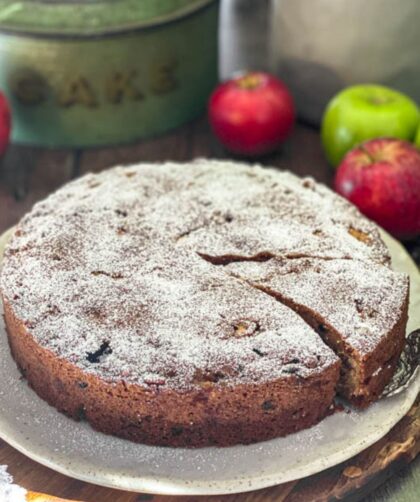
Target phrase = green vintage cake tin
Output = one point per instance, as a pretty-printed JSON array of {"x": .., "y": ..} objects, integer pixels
[{"x": 88, "y": 73}]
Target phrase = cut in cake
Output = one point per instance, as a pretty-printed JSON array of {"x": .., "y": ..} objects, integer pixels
[{"x": 209, "y": 303}]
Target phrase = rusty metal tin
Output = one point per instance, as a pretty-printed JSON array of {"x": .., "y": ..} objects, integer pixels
[{"x": 81, "y": 74}]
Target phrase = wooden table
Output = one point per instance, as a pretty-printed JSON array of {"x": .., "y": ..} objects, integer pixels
[{"x": 29, "y": 174}]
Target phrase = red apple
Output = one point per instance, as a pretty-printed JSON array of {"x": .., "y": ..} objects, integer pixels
[
  {"x": 382, "y": 178},
  {"x": 5, "y": 124},
  {"x": 252, "y": 113}
]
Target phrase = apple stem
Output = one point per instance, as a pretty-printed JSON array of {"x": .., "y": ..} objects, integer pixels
[
  {"x": 250, "y": 81},
  {"x": 367, "y": 153},
  {"x": 380, "y": 100}
]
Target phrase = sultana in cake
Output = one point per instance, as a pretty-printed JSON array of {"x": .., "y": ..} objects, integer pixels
[{"x": 209, "y": 303}]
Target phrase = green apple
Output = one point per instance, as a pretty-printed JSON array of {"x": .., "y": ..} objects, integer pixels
[{"x": 362, "y": 112}]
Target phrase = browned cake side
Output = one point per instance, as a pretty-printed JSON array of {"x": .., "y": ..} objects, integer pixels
[
  {"x": 210, "y": 415},
  {"x": 201, "y": 304}
]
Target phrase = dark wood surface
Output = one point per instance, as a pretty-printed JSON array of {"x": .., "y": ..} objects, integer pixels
[{"x": 29, "y": 174}]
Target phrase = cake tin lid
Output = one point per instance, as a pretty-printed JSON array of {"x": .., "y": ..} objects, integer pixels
[{"x": 91, "y": 17}]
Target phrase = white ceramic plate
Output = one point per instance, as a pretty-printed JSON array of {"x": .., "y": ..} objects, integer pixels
[{"x": 43, "y": 434}]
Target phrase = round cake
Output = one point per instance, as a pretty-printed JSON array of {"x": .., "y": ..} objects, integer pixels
[{"x": 209, "y": 303}]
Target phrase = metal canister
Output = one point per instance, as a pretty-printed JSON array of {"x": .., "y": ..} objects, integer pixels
[{"x": 86, "y": 73}]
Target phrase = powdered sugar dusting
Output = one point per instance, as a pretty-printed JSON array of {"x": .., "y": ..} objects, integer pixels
[
  {"x": 362, "y": 301},
  {"x": 10, "y": 492},
  {"x": 107, "y": 271}
]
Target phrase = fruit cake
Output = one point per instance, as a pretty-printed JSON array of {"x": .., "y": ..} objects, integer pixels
[{"x": 208, "y": 303}]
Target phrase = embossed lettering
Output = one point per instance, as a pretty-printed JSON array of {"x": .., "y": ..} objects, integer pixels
[
  {"x": 163, "y": 78},
  {"x": 77, "y": 91},
  {"x": 29, "y": 89},
  {"x": 120, "y": 85}
]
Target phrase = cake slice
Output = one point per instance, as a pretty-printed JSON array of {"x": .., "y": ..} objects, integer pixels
[{"x": 359, "y": 309}]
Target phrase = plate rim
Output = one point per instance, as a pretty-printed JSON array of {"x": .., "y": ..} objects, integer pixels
[{"x": 149, "y": 485}]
